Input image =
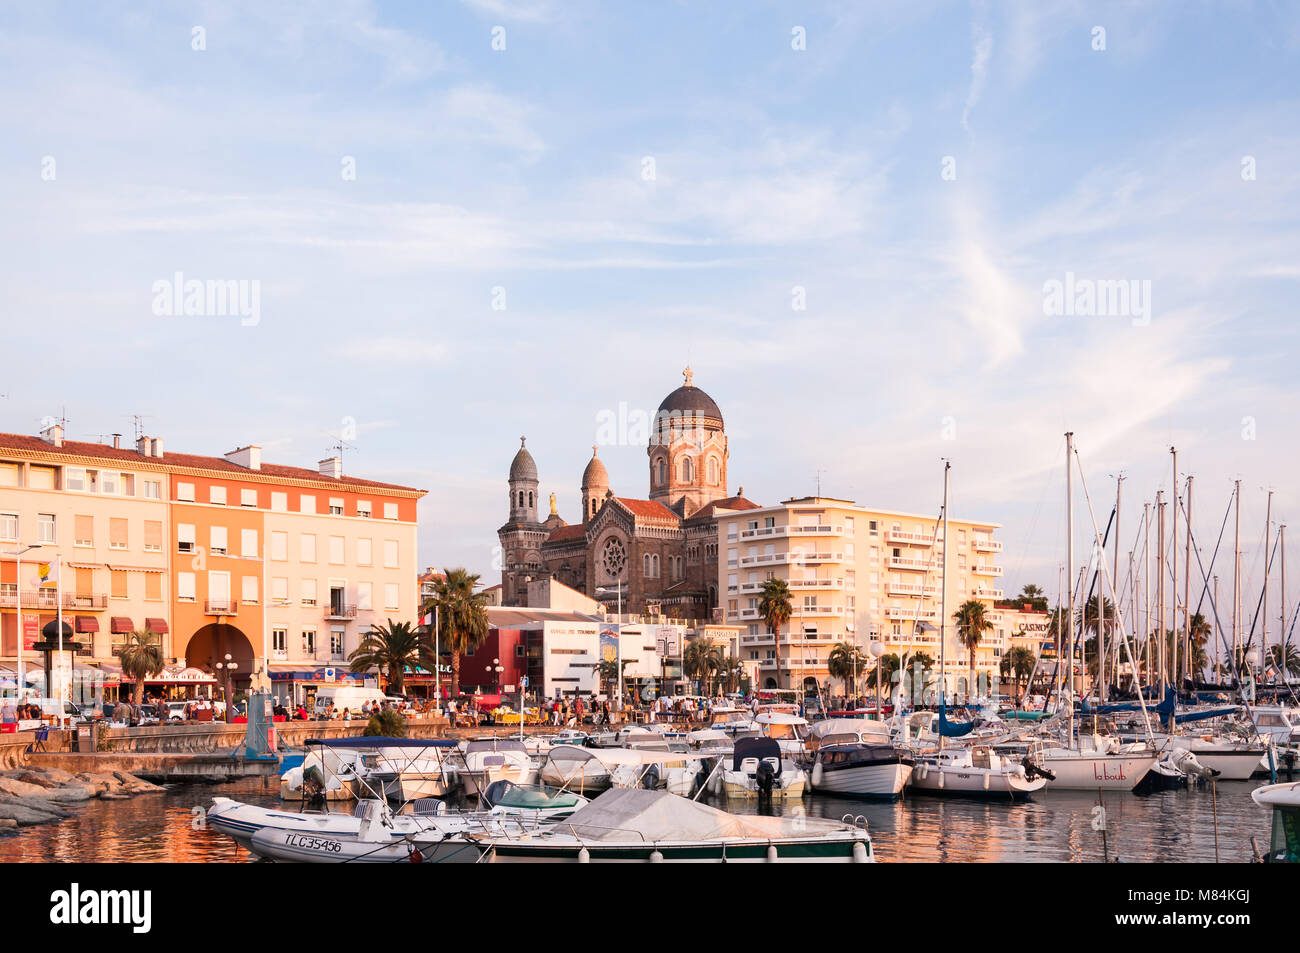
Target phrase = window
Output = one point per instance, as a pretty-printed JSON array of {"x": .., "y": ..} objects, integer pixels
[
  {"x": 390, "y": 595},
  {"x": 309, "y": 592},
  {"x": 363, "y": 508},
  {"x": 363, "y": 595},
  {"x": 280, "y": 642},
  {"x": 109, "y": 483},
  {"x": 307, "y": 548},
  {"x": 336, "y": 550},
  {"x": 848, "y": 526},
  {"x": 9, "y": 526},
  {"x": 153, "y": 586},
  {"x": 309, "y": 641},
  {"x": 152, "y": 490},
  {"x": 306, "y": 503},
  {"x": 40, "y": 478},
  {"x": 118, "y": 584},
  {"x": 336, "y": 643},
  {"x": 279, "y": 545},
  {"x": 248, "y": 543},
  {"x": 248, "y": 589},
  {"x": 85, "y": 531},
  {"x": 74, "y": 479},
  {"x": 184, "y": 537},
  {"x": 185, "y": 586},
  {"x": 336, "y": 506},
  {"x": 185, "y": 492},
  {"x": 363, "y": 552},
  {"x": 279, "y": 590},
  {"x": 280, "y": 502},
  {"x": 390, "y": 509},
  {"x": 247, "y": 497},
  {"x": 218, "y": 541},
  {"x": 872, "y": 527},
  {"x": 390, "y": 553},
  {"x": 117, "y": 533}
]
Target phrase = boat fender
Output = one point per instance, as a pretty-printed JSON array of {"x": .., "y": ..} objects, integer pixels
[
  {"x": 940, "y": 777},
  {"x": 923, "y": 770},
  {"x": 986, "y": 779},
  {"x": 859, "y": 853},
  {"x": 818, "y": 773},
  {"x": 415, "y": 856},
  {"x": 771, "y": 853},
  {"x": 656, "y": 857},
  {"x": 584, "y": 856}
]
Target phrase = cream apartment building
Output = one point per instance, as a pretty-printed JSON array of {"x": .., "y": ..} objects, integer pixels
[{"x": 855, "y": 574}]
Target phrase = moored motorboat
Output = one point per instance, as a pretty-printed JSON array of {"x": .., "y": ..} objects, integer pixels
[
  {"x": 759, "y": 770},
  {"x": 856, "y": 757},
  {"x": 975, "y": 771}
]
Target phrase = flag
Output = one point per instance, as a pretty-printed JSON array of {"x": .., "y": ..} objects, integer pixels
[{"x": 47, "y": 574}]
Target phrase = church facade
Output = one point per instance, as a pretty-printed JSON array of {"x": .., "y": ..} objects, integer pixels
[{"x": 659, "y": 552}]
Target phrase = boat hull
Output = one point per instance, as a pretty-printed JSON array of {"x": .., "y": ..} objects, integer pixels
[
  {"x": 840, "y": 851},
  {"x": 746, "y": 790},
  {"x": 293, "y": 847},
  {"x": 973, "y": 782},
  {"x": 1087, "y": 771}
]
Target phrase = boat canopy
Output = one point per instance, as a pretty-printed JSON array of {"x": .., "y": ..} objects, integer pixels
[
  {"x": 614, "y": 757},
  {"x": 849, "y": 726},
  {"x": 378, "y": 741},
  {"x": 622, "y": 814},
  {"x": 951, "y": 729},
  {"x": 759, "y": 748},
  {"x": 778, "y": 718},
  {"x": 494, "y": 744}
]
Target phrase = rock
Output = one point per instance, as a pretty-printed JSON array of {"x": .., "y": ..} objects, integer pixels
[
  {"x": 57, "y": 775},
  {"x": 25, "y": 816},
  {"x": 104, "y": 782},
  {"x": 7, "y": 823},
  {"x": 16, "y": 788},
  {"x": 42, "y": 805},
  {"x": 75, "y": 791},
  {"x": 40, "y": 781},
  {"x": 133, "y": 785},
  {"x": 109, "y": 796}
]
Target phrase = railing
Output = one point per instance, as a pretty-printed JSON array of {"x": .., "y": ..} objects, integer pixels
[
  {"x": 911, "y": 589},
  {"x": 982, "y": 593},
  {"x": 49, "y": 599},
  {"x": 986, "y": 545},
  {"x": 915, "y": 539},
  {"x": 220, "y": 607},
  {"x": 902, "y": 562},
  {"x": 792, "y": 557},
  {"x": 902, "y": 612},
  {"x": 983, "y": 570},
  {"x": 341, "y": 612},
  {"x": 819, "y": 529}
]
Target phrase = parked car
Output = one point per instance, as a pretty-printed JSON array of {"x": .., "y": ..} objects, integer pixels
[{"x": 176, "y": 710}]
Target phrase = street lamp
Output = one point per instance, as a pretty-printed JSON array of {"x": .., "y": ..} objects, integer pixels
[
  {"x": 497, "y": 667},
  {"x": 877, "y": 649},
  {"x": 227, "y": 668},
  {"x": 18, "y": 611}
]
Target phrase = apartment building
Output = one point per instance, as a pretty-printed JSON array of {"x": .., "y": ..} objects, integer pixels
[
  {"x": 283, "y": 568},
  {"x": 855, "y": 574}
]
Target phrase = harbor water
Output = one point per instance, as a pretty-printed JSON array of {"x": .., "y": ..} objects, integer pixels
[{"x": 1170, "y": 827}]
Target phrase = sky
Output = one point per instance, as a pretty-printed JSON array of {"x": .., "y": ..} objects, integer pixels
[{"x": 471, "y": 221}]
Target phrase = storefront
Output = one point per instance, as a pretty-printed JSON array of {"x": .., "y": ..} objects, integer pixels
[
  {"x": 173, "y": 683},
  {"x": 293, "y": 685}
]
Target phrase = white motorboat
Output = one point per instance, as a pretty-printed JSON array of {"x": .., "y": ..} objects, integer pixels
[
  {"x": 758, "y": 770},
  {"x": 652, "y": 765},
  {"x": 856, "y": 757},
  {"x": 488, "y": 760},
  {"x": 1096, "y": 762},
  {"x": 323, "y": 774},
  {"x": 787, "y": 730},
  {"x": 630, "y": 825},
  {"x": 975, "y": 771},
  {"x": 1236, "y": 759},
  {"x": 405, "y": 770},
  {"x": 1284, "y": 801},
  {"x": 574, "y": 767}
]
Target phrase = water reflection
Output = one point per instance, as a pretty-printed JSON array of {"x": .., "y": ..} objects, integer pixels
[{"x": 1175, "y": 826}]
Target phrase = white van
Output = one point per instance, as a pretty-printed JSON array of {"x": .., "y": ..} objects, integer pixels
[{"x": 350, "y": 697}]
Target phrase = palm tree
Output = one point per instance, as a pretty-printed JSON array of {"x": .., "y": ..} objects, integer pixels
[
  {"x": 888, "y": 667},
  {"x": 1033, "y": 595},
  {"x": 1019, "y": 663},
  {"x": 972, "y": 623},
  {"x": 141, "y": 657},
  {"x": 700, "y": 661},
  {"x": 462, "y": 617},
  {"x": 1284, "y": 658},
  {"x": 731, "y": 671},
  {"x": 391, "y": 648},
  {"x": 844, "y": 662},
  {"x": 1200, "y": 630},
  {"x": 774, "y": 606}
]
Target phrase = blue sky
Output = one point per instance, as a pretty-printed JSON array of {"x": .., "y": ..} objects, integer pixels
[{"x": 521, "y": 169}]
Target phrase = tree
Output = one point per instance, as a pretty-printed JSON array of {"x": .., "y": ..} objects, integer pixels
[
  {"x": 775, "y": 608},
  {"x": 391, "y": 648},
  {"x": 1284, "y": 658},
  {"x": 462, "y": 617},
  {"x": 141, "y": 657},
  {"x": 731, "y": 671},
  {"x": 888, "y": 667},
  {"x": 1019, "y": 663},
  {"x": 972, "y": 623},
  {"x": 701, "y": 661},
  {"x": 1033, "y": 595},
  {"x": 846, "y": 662},
  {"x": 385, "y": 724}
]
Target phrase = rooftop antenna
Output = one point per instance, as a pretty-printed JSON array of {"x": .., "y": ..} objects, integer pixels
[
  {"x": 339, "y": 446},
  {"x": 819, "y": 482},
  {"x": 138, "y": 420}
]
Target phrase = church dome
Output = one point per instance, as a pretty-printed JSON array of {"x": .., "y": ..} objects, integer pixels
[
  {"x": 595, "y": 474},
  {"x": 689, "y": 400},
  {"x": 523, "y": 466}
]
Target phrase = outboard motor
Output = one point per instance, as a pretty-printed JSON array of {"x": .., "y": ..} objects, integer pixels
[
  {"x": 1033, "y": 771},
  {"x": 650, "y": 779},
  {"x": 765, "y": 778}
]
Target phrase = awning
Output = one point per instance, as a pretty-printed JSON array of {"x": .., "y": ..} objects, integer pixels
[
  {"x": 87, "y": 623},
  {"x": 121, "y": 625},
  {"x": 176, "y": 675},
  {"x": 316, "y": 675},
  {"x": 156, "y": 626}
]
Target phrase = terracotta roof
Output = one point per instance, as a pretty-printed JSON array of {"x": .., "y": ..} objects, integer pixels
[
  {"x": 81, "y": 450},
  {"x": 651, "y": 509},
  {"x": 730, "y": 503},
  {"x": 576, "y": 531}
]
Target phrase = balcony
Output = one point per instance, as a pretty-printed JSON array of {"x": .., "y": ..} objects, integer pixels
[
  {"x": 902, "y": 562},
  {"x": 910, "y": 589},
  {"x": 340, "y": 613},
  {"x": 911, "y": 539},
  {"x": 907, "y": 614},
  {"x": 796, "y": 559},
  {"x": 980, "y": 569},
  {"x": 49, "y": 599},
  {"x": 982, "y": 544},
  {"x": 768, "y": 532},
  {"x": 220, "y": 607},
  {"x": 979, "y": 592}
]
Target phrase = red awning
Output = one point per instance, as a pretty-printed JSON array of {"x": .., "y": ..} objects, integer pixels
[
  {"x": 121, "y": 625},
  {"x": 156, "y": 626},
  {"x": 87, "y": 623}
]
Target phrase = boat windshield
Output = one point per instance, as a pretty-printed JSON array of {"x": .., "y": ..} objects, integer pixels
[{"x": 1285, "y": 845}]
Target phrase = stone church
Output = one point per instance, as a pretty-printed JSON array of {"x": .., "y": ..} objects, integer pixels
[{"x": 661, "y": 551}]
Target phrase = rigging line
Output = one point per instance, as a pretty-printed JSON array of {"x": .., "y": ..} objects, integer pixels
[{"x": 1250, "y": 636}]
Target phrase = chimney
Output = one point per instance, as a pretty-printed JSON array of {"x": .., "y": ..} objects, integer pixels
[
  {"x": 331, "y": 467},
  {"x": 53, "y": 435},
  {"x": 117, "y": 441},
  {"x": 143, "y": 446},
  {"x": 250, "y": 457},
  {"x": 157, "y": 447}
]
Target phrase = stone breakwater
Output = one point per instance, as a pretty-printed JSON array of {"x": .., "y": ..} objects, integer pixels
[{"x": 37, "y": 795}]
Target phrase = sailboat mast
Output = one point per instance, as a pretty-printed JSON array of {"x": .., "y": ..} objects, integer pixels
[
  {"x": 1069, "y": 571},
  {"x": 1146, "y": 585},
  {"x": 943, "y": 601},
  {"x": 1161, "y": 643},
  {"x": 1236, "y": 581},
  {"x": 1187, "y": 586},
  {"x": 1173, "y": 559},
  {"x": 1268, "y": 564},
  {"x": 1284, "y": 638}
]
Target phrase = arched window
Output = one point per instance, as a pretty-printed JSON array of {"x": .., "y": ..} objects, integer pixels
[
  {"x": 654, "y": 566},
  {"x": 645, "y": 564},
  {"x": 530, "y": 500},
  {"x": 713, "y": 469},
  {"x": 662, "y": 471},
  {"x": 521, "y": 499},
  {"x": 686, "y": 470}
]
